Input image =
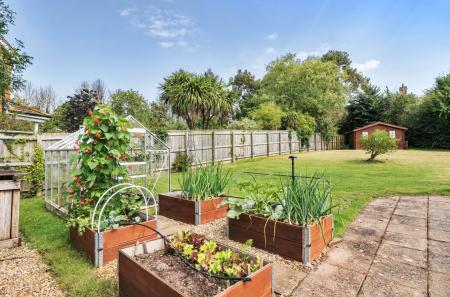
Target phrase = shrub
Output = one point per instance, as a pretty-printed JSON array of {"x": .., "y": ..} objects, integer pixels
[
  {"x": 243, "y": 124},
  {"x": 378, "y": 143},
  {"x": 182, "y": 162},
  {"x": 268, "y": 116},
  {"x": 35, "y": 172}
]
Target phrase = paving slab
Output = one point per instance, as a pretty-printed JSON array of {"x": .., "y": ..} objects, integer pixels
[
  {"x": 439, "y": 284},
  {"x": 376, "y": 286},
  {"x": 363, "y": 232},
  {"x": 390, "y": 252},
  {"x": 403, "y": 274},
  {"x": 413, "y": 221},
  {"x": 440, "y": 214},
  {"x": 314, "y": 291},
  {"x": 439, "y": 256},
  {"x": 443, "y": 199},
  {"x": 405, "y": 240},
  {"x": 439, "y": 230},
  {"x": 339, "y": 280},
  {"x": 352, "y": 260},
  {"x": 388, "y": 201},
  {"x": 359, "y": 245},
  {"x": 417, "y": 232},
  {"x": 411, "y": 212},
  {"x": 286, "y": 279}
]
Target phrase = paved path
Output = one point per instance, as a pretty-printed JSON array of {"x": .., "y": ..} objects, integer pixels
[{"x": 397, "y": 246}]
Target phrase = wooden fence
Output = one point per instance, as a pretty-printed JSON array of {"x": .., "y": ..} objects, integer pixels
[{"x": 16, "y": 149}]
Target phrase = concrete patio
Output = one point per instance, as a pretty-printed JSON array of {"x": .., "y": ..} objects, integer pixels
[{"x": 397, "y": 246}]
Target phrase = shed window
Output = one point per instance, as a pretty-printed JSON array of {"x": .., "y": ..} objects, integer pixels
[
  {"x": 392, "y": 134},
  {"x": 365, "y": 134}
]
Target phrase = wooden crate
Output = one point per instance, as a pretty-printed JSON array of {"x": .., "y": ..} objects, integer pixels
[
  {"x": 103, "y": 247},
  {"x": 290, "y": 241},
  {"x": 171, "y": 205},
  {"x": 137, "y": 281},
  {"x": 9, "y": 209}
]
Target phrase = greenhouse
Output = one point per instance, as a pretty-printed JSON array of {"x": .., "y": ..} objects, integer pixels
[{"x": 150, "y": 156}]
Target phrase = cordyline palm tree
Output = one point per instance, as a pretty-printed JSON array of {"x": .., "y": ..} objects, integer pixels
[{"x": 198, "y": 99}]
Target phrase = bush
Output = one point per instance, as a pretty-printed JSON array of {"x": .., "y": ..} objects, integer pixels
[
  {"x": 268, "y": 116},
  {"x": 378, "y": 143},
  {"x": 243, "y": 124},
  {"x": 182, "y": 162},
  {"x": 35, "y": 172}
]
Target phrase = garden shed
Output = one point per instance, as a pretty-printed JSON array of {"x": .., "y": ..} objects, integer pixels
[
  {"x": 150, "y": 156},
  {"x": 353, "y": 138}
]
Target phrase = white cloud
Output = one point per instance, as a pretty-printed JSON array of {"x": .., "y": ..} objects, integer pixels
[
  {"x": 168, "y": 28},
  {"x": 269, "y": 50},
  {"x": 127, "y": 11},
  {"x": 302, "y": 55},
  {"x": 272, "y": 36},
  {"x": 367, "y": 65}
]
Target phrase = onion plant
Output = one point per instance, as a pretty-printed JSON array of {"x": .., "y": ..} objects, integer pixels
[
  {"x": 204, "y": 182},
  {"x": 306, "y": 199}
]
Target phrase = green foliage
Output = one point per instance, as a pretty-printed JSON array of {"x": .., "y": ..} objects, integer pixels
[
  {"x": 378, "y": 143},
  {"x": 200, "y": 99},
  {"x": 36, "y": 172},
  {"x": 182, "y": 162},
  {"x": 312, "y": 87},
  {"x": 396, "y": 107},
  {"x": 302, "y": 202},
  {"x": 130, "y": 102},
  {"x": 9, "y": 122},
  {"x": 429, "y": 121},
  {"x": 204, "y": 182},
  {"x": 13, "y": 60},
  {"x": 268, "y": 116},
  {"x": 77, "y": 109},
  {"x": 244, "y": 88},
  {"x": 303, "y": 124},
  {"x": 58, "y": 121},
  {"x": 102, "y": 147},
  {"x": 243, "y": 124},
  {"x": 208, "y": 256}
]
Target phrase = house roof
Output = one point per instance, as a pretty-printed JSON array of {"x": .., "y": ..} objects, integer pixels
[
  {"x": 5, "y": 43},
  {"x": 25, "y": 112},
  {"x": 379, "y": 123}
]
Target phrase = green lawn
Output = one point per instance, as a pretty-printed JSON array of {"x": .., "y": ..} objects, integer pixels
[{"x": 355, "y": 182}]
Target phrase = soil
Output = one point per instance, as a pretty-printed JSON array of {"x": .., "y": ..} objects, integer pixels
[{"x": 178, "y": 275}]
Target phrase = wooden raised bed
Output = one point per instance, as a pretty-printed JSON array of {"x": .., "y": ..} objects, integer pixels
[
  {"x": 290, "y": 241},
  {"x": 137, "y": 281},
  {"x": 173, "y": 206},
  {"x": 104, "y": 247},
  {"x": 9, "y": 209}
]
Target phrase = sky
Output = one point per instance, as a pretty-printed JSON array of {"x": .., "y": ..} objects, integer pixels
[{"x": 134, "y": 44}]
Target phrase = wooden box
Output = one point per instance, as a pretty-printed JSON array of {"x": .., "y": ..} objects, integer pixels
[
  {"x": 290, "y": 241},
  {"x": 173, "y": 206},
  {"x": 103, "y": 247},
  {"x": 137, "y": 281},
  {"x": 9, "y": 209}
]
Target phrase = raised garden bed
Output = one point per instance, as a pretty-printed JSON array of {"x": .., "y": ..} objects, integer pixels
[
  {"x": 103, "y": 247},
  {"x": 148, "y": 270},
  {"x": 288, "y": 240},
  {"x": 173, "y": 205}
]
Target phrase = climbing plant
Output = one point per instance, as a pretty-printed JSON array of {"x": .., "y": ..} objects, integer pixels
[
  {"x": 35, "y": 172},
  {"x": 101, "y": 149}
]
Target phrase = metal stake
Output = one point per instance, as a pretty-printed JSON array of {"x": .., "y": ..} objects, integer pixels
[{"x": 292, "y": 157}]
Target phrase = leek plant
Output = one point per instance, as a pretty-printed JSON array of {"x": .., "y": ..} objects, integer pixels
[{"x": 204, "y": 182}]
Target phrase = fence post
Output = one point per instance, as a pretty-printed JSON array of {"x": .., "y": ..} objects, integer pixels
[
  {"x": 315, "y": 141},
  {"x": 213, "y": 147},
  {"x": 232, "y": 145},
  {"x": 290, "y": 141},
  {"x": 252, "y": 153},
  {"x": 268, "y": 143},
  {"x": 279, "y": 142},
  {"x": 186, "y": 142}
]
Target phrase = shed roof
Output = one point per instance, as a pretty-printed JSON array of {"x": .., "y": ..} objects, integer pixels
[{"x": 379, "y": 123}]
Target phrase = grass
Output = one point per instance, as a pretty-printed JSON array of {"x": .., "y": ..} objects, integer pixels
[{"x": 355, "y": 183}]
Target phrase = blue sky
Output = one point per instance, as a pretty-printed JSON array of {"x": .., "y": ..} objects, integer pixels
[{"x": 135, "y": 44}]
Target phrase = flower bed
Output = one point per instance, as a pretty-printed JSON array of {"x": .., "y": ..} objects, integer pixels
[
  {"x": 287, "y": 240},
  {"x": 174, "y": 206},
  {"x": 150, "y": 270},
  {"x": 103, "y": 247}
]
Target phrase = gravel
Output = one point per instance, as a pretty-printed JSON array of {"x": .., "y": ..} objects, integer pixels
[{"x": 23, "y": 273}]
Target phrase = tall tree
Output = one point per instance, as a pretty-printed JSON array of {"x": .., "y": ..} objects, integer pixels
[
  {"x": 130, "y": 102},
  {"x": 312, "y": 86},
  {"x": 198, "y": 99},
  {"x": 77, "y": 108},
  {"x": 429, "y": 121},
  {"x": 13, "y": 59},
  {"x": 397, "y": 105},
  {"x": 98, "y": 86},
  {"x": 244, "y": 88},
  {"x": 43, "y": 97},
  {"x": 365, "y": 108},
  {"x": 355, "y": 80}
]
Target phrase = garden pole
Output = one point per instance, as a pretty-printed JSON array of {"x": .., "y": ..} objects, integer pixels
[{"x": 292, "y": 157}]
